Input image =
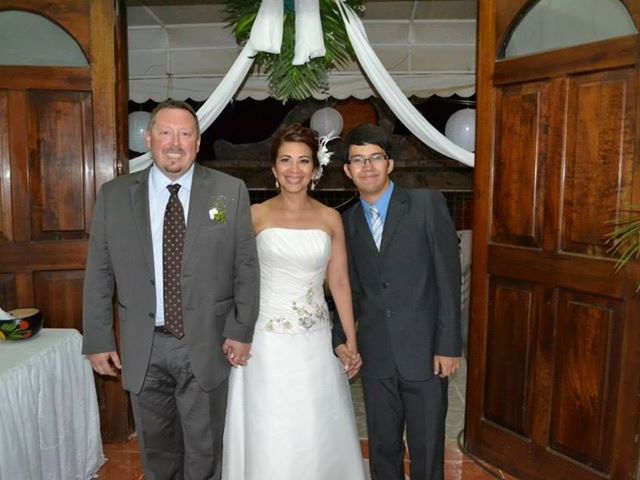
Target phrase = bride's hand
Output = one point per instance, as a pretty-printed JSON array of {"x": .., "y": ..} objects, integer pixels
[{"x": 350, "y": 358}]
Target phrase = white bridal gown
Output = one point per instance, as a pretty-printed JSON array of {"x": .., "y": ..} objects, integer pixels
[{"x": 290, "y": 415}]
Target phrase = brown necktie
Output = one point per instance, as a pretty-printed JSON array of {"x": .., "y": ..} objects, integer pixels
[{"x": 172, "y": 246}]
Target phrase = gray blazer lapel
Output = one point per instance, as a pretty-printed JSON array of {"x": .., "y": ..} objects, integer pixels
[
  {"x": 200, "y": 196},
  {"x": 140, "y": 201},
  {"x": 398, "y": 209}
]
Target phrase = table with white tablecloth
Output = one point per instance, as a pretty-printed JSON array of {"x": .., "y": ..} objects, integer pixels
[{"x": 49, "y": 419}]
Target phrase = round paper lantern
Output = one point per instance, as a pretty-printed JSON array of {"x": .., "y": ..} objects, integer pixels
[
  {"x": 138, "y": 122},
  {"x": 326, "y": 120},
  {"x": 461, "y": 128}
]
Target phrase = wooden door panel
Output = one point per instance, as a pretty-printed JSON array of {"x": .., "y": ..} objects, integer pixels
[
  {"x": 519, "y": 173},
  {"x": 588, "y": 340},
  {"x": 60, "y": 140},
  {"x": 5, "y": 170},
  {"x": 8, "y": 295},
  {"x": 600, "y": 147},
  {"x": 58, "y": 294},
  {"x": 512, "y": 307}
]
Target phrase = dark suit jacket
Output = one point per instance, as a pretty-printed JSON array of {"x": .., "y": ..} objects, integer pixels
[
  {"x": 220, "y": 275},
  {"x": 407, "y": 296}
]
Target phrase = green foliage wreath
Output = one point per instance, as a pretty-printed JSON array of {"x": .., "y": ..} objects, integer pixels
[{"x": 296, "y": 82}]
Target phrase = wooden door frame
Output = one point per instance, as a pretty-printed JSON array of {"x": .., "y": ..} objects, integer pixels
[
  {"x": 496, "y": 18},
  {"x": 99, "y": 29}
]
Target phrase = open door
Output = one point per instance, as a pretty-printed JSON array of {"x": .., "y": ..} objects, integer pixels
[
  {"x": 62, "y": 132},
  {"x": 554, "y": 362}
]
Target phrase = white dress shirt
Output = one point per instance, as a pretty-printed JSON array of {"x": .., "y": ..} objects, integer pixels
[{"x": 158, "y": 199}]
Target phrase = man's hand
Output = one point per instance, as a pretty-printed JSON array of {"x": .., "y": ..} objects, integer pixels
[
  {"x": 445, "y": 366},
  {"x": 237, "y": 353},
  {"x": 104, "y": 363},
  {"x": 350, "y": 359}
]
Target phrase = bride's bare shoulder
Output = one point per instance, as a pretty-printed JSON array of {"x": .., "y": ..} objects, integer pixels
[{"x": 330, "y": 218}]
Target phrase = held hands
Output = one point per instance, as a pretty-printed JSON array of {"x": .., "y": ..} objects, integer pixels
[
  {"x": 237, "y": 353},
  {"x": 104, "y": 363},
  {"x": 445, "y": 366},
  {"x": 350, "y": 358}
]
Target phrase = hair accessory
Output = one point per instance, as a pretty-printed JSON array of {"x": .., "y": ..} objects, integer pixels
[{"x": 324, "y": 155}]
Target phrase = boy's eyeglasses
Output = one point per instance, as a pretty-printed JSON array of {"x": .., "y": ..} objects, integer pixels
[{"x": 374, "y": 159}]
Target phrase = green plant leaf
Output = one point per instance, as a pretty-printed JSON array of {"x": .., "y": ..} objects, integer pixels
[
  {"x": 624, "y": 239},
  {"x": 296, "y": 82}
]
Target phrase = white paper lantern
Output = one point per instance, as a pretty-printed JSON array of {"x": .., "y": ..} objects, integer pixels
[
  {"x": 326, "y": 120},
  {"x": 138, "y": 122},
  {"x": 461, "y": 128}
]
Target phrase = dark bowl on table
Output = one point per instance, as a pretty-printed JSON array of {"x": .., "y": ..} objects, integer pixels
[{"x": 26, "y": 324}]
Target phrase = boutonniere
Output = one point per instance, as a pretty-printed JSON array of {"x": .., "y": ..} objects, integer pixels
[{"x": 218, "y": 209}]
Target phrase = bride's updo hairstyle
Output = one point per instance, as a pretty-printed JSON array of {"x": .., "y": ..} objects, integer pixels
[{"x": 295, "y": 133}]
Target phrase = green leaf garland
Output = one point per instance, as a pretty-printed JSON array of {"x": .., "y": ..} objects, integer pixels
[{"x": 296, "y": 82}]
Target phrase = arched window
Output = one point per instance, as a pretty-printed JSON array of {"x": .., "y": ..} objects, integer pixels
[
  {"x": 29, "y": 39},
  {"x": 554, "y": 24}
]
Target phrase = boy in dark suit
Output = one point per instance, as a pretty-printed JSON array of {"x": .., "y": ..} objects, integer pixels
[{"x": 405, "y": 276}]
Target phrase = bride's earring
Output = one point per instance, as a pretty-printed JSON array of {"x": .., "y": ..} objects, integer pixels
[
  {"x": 313, "y": 185},
  {"x": 277, "y": 184}
]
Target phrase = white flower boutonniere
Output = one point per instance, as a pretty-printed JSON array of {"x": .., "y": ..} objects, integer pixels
[{"x": 218, "y": 210}]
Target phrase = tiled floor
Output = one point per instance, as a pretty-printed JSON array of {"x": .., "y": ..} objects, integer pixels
[{"x": 124, "y": 460}]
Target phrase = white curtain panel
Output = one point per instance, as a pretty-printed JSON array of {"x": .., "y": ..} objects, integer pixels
[{"x": 266, "y": 32}]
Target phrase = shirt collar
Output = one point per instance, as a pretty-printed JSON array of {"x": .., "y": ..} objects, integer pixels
[
  {"x": 382, "y": 203},
  {"x": 158, "y": 181}
]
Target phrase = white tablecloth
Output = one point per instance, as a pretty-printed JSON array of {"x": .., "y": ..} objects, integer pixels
[{"x": 49, "y": 420}]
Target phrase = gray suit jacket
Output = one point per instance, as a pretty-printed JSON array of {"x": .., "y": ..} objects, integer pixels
[
  {"x": 407, "y": 296},
  {"x": 220, "y": 275}
]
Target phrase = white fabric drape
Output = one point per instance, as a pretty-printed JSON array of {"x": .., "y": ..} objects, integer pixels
[
  {"x": 219, "y": 99},
  {"x": 392, "y": 95},
  {"x": 309, "y": 41},
  {"x": 266, "y": 31}
]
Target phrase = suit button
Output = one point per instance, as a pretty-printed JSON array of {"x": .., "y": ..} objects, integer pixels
[
  {"x": 153, "y": 282},
  {"x": 388, "y": 314},
  {"x": 152, "y": 315},
  {"x": 385, "y": 284}
]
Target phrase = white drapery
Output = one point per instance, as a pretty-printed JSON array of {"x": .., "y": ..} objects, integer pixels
[
  {"x": 266, "y": 35},
  {"x": 393, "y": 96}
]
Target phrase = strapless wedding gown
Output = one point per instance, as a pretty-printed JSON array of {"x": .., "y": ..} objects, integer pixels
[{"x": 289, "y": 415}]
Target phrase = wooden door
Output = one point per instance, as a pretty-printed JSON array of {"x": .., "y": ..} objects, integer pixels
[
  {"x": 60, "y": 131},
  {"x": 553, "y": 379}
]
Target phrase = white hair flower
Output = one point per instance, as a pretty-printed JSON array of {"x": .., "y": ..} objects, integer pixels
[{"x": 324, "y": 155}]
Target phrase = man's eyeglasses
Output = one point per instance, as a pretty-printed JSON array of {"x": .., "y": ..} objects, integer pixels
[{"x": 374, "y": 159}]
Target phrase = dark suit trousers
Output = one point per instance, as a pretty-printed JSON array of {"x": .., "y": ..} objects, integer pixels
[
  {"x": 179, "y": 425},
  {"x": 422, "y": 405}
]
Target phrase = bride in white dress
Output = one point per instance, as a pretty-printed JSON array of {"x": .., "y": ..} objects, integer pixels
[{"x": 289, "y": 413}]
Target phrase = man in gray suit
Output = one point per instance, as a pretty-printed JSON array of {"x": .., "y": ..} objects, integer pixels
[
  {"x": 176, "y": 241},
  {"x": 405, "y": 276}
]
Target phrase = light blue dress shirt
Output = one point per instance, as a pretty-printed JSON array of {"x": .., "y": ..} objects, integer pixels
[
  {"x": 158, "y": 199},
  {"x": 382, "y": 205}
]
